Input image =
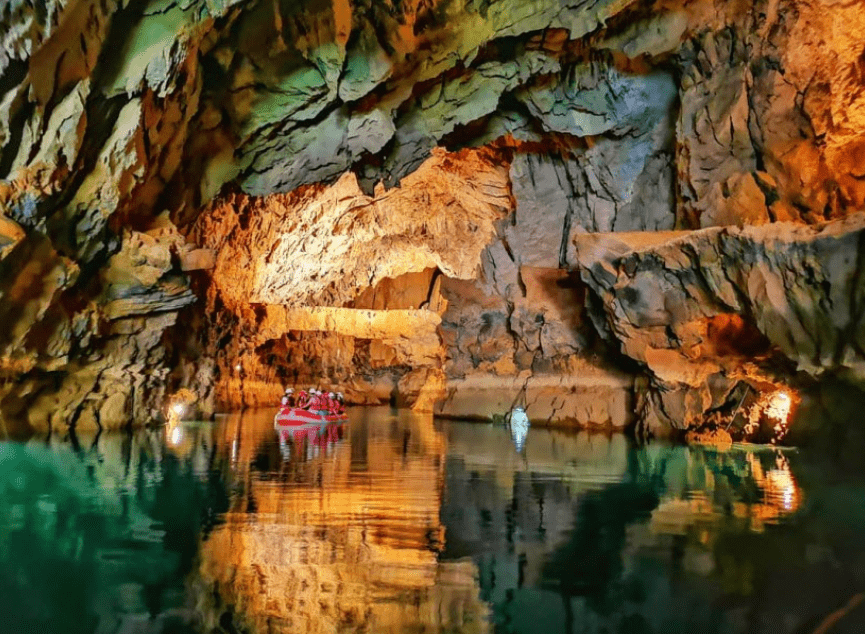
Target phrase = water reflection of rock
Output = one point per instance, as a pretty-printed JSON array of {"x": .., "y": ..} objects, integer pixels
[
  {"x": 669, "y": 520},
  {"x": 98, "y": 531},
  {"x": 584, "y": 533},
  {"x": 344, "y": 539},
  {"x": 508, "y": 510},
  {"x": 747, "y": 489},
  {"x": 581, "y": 533}
]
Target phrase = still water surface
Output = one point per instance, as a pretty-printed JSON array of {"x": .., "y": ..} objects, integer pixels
[{"x": 398, "y": 523}]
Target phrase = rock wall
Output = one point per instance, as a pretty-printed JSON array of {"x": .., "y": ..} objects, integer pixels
[
  {"x": 706, "y": 309},
  {"x": 397, "y": 198},
  {"x": 86, "y": 348},
  {"x": 331, "y": 276}
]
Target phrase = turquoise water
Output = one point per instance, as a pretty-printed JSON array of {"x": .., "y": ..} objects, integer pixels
[{"x": 395, "y": 522}]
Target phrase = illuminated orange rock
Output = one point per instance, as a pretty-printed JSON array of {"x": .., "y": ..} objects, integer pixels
[
  {"x": 324, "y": 246},
  {"x": 441, "y": 217}
]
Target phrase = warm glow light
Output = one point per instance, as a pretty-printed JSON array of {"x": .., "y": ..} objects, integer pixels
[
  {"x": 788, "y": 498},
  {"x": 779, "y": 406},
  {"x": 175, "y": 435},
  {"x": 237, "y": 368},
  {"x": 781, "y": 487},
  {"x": 773, "y": 411},
  {"x": 177, "y": 409}
]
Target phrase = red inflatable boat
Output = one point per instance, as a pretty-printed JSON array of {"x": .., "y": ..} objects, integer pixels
[{"x": 290, "y": 417}]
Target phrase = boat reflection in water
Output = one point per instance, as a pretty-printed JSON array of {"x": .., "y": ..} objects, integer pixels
[
  {"x": 309, "y": 442},
  {"x": 338, "y": 530}
]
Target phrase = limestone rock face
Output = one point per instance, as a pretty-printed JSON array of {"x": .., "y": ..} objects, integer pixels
[
  {"x": 697, "y": 308},
  {"x": 323, "y": 246},
  {"x": 764, "y": 135},
  {"x": 80, "y": 362},
  {"x": 200, "y": 193},
  {"x": 334, "y": 260}
]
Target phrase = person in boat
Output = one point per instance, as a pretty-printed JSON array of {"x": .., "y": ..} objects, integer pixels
[
  {"x": 337, "y": 403},
  {"x": 316, "y": 401},
  {"x": 323, "y": 403},
  {"x": 302, "y": 399},
  {"x": 332, "y": 404}
]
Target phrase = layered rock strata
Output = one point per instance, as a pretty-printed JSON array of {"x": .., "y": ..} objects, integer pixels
[
  {"x": 94, "y": 362},
  {"x": 702, "y": 310}
]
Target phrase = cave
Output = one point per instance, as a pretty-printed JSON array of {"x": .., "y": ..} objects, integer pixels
[{"x": 640, "y": 222}]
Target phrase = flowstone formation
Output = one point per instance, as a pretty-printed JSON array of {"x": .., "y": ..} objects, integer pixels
[{"x": 611, "y": 213}]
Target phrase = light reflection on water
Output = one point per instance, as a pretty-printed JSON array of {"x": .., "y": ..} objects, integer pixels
[
  {"x": 398, "y": 523},
  {"x": 339, "y": 535}
]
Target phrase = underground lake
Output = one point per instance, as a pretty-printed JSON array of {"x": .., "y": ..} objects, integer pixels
[{"x": 396, "y": 522}]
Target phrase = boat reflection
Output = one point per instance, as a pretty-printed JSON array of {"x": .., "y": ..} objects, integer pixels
[
  {"x": 310, "y": 442},
  {"x": 336, "y": 530}
]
